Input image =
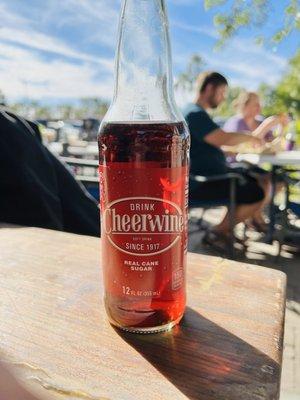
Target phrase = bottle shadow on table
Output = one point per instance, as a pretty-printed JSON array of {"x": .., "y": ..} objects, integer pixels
[{"x": 205, "y": 361}]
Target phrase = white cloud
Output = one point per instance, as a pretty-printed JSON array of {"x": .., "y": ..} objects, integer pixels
[
  {"x": 249, "y": 72},
  {"x": 245, "y": 63},
  {"x": 184, "y": 2},
  {"x": 248, "y": 64},
  {"x": 98, "y": 19},
  {"x": 240, "y": 46},
  {"x": 203, "y": 30},
  {"x": 40, "y": 41},
  {"x": 102, "y": 10},
  {"x": 247, "y": 46},
  {"x": 9, "y": 18},
  {"x": 76, "y": 70},
  {"x": 24, "y": 74}
]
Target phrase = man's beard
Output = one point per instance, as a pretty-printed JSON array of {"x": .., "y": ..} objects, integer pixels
[{"x": 213, "y": 102}]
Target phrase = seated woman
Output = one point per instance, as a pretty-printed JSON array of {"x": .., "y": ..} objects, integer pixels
[
  {"x": 248, "y": 120},
  {"x": 36, "y": 188}
]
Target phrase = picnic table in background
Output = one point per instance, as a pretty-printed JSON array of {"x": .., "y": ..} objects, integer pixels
[
  {"x": 279, "y": 161},
  {"x": 89, "y": 150},
  {"x": 54, "y": 330}
]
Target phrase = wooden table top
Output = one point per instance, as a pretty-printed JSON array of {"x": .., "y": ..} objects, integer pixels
[{"x": 53, "y": 327}]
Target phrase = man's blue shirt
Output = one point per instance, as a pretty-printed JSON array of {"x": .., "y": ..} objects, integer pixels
[{"x": 206, "y": 159}]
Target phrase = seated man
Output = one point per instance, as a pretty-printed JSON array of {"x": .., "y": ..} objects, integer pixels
[
  {"x": 207, "y": 157},
  {"x": 36, "y": 188}
]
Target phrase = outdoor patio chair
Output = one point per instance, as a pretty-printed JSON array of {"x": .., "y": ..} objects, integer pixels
[{"x": 230, "y": 203}]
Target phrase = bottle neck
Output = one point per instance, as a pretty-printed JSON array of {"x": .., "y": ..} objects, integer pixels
[{"x": 143, "y": 73}]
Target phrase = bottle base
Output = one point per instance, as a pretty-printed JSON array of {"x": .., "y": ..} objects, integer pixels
[{"x": 147, "y": 330}]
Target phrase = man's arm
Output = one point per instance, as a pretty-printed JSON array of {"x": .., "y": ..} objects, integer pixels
[{"x": 219, "y": 138}]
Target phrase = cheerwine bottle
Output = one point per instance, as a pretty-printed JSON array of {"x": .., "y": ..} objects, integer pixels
[{"x": 144, "y": 159}]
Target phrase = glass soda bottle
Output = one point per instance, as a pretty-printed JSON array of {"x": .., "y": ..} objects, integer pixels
[{"x": 144, "y": 160}]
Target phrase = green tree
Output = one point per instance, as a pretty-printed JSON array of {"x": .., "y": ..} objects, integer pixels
[
  {"x": 31, "y": 109},
  {"x": 227, "y": 108},
  {"x": 66, "y": 111},
  {"x": 288, "y": 90},
  {"x": 285, "y": 97},
  {"x": 186, "y": 79},
  {"x": 88, "y": 107},
  {"x": 271, "y": 103},
  {"x": 253, "y": 13},
  {"x": 92, "y": 107}
]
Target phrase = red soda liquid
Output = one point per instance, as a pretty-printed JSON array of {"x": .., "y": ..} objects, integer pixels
[{"x": 143, "y": 195}]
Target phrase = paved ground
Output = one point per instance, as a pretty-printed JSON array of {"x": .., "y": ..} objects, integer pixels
[{"x": 263, "y": 254}]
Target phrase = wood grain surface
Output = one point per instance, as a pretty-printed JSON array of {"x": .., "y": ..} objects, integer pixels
[{"x": 54, "y": 332}]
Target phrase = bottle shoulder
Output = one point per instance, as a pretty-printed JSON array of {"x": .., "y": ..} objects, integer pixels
[{"x": 144, "y": 130}]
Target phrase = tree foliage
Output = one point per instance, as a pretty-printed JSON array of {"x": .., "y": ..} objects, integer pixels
[
  {"x": 186, "y": 79},
  {"x": 285, "y": 97},
  {"x": 93, "y": 107},
  {"x": 227, "y": 108},
  {"x": 85, "y": 108},
  {"x": 252, "y": 13}
]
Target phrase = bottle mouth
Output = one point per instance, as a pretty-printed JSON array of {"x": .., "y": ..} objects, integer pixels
[{"x": 144, "y": 88}]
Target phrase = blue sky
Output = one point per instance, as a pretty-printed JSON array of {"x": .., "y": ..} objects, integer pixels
[{"x": 55, "y": 50}]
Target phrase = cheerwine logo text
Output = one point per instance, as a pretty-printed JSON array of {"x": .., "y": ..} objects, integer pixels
[{"x": 143, "y": 225}]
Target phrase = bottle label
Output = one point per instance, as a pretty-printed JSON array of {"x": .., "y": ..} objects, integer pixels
[
  {"x": 128, "y": 219},
  {"x": 144, "y": 227}
]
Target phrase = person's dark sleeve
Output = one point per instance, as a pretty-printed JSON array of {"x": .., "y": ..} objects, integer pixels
[
  {"x": 201, "y": 125},
  {"x": 29, "y": 126},
  {"x": 35, "y": 129},
  {"x": 28, "y": 184},
  {"x": 36, "y": 188}
]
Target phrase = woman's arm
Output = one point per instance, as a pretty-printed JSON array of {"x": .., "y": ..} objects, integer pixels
[{"x": 270, "y": 123}]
